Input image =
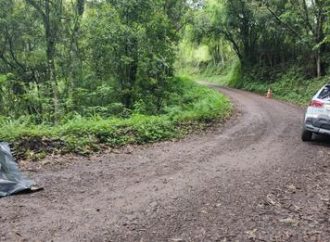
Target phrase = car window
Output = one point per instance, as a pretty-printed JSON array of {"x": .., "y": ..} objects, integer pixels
[{"x": 325, "y": 93}]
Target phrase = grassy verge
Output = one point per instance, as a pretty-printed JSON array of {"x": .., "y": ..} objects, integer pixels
[
  {"x": 287, "y": 85},
  {"x": 191, "y": 106},
  {"x": 214, "y": 74},
  {"x": 292, "y": 90}
]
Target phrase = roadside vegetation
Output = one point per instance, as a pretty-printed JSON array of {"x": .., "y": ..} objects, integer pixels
[
  {"x": 190, "y": 107},
  {"x": 257, "y": 45},
  {"x": 77, "y": 75},
  {"x": 80, "y": 76},
  {"x": 288, "y": 85}
]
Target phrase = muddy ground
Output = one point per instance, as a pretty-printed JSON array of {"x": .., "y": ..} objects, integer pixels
[{"x": 252, "y": 179}]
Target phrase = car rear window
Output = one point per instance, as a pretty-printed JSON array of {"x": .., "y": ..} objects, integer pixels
[{"x": 325, "y": 93}]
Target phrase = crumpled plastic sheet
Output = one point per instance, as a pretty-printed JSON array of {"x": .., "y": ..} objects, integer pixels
[{"x": 11, "y": 179}]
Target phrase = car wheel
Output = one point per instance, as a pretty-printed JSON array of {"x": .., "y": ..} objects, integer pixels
[{"x": 306, "y": 135}]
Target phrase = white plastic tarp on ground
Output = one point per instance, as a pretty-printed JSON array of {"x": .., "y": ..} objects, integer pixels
[{"x": 11, "y": 179}]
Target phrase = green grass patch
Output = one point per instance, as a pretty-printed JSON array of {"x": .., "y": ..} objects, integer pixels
[
  {"x": 225, "y": 75},
  {"x": 289, "y": 85},
  {"x": 191, "y": 106}
]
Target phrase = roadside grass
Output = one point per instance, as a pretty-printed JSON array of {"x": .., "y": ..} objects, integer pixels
[
  {"x": 192, "y": 107},
  {"x": 288, "y": 85},
  {"x": 212, "y": 74},
  {"x": 291, "y": 85},
  {"x": 295, "y": 91}
]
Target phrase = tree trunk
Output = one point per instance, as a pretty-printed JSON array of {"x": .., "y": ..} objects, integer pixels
[
  {"x": 320, "y": 18},
  {"x": 44, "y": 9},
  {"x": 51, "y": 48},
  {"x": 318, "y": 64},
  {"x": 74, "y": 71}
]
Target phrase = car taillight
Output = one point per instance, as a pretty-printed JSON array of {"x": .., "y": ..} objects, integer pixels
[{"x": 316, "y": 104}]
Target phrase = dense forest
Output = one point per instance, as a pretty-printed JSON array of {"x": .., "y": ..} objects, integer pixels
[
  {"x": 59, "y": 56},
  {"x": 262, "y": 43},
  {"x": 270, "y": 33},
  {"x": 78, "y": 73},
  {"x": 108, "y": 70}
]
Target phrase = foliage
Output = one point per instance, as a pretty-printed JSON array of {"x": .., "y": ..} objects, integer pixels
[
  {"x": 58, "y": 58},
  {"x": 290, "y": 85},
  {"x": 187, "y": 109},
  {"x": 281, "y": 44},
  {"x": 77, "y": 74},
  {"x": 265, "y": 34}
]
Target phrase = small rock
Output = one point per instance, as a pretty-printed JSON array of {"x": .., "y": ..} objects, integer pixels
[
  {"x": 289, "y": 221},
  {"x": 45, "y": 162},
  {"x": 204, "y": 211},
  {"x": 129, "y": 150},
  {"x": 292, "y": 188},
  {"x": 271, "y": 200},
  {"x": 177, "y": 240},
  {"x": 153, "y": 206},
  {"x": 252, "y": 234}
]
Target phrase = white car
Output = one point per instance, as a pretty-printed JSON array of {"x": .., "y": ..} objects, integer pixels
[{"x": 317, "y": 117}]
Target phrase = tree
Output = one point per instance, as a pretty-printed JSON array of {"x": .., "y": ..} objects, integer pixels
[
  {"x": 311, "y": 17},
  {"x": 51, "y": 15}
]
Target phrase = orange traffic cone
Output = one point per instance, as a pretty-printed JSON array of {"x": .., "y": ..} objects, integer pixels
[{"x": 269, "y": 93}]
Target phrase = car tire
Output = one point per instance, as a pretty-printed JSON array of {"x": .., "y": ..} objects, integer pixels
[{"x": 306, "y": 135}]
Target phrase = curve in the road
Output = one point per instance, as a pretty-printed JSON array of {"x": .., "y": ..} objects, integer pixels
[{"x": 203, "y": 188}]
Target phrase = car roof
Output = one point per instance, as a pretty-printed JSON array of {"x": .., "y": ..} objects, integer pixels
[
  {"x": 321, "y": 90},
  {"x": 326, "y": 85}
]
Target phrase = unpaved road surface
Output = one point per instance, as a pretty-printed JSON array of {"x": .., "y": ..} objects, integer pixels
[{"x": 249, "y": 180}]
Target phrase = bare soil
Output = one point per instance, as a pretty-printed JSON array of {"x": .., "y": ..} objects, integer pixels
[{"x": 252, "y": 179}]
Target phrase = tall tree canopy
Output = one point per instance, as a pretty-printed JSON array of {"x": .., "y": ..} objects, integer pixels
[
  {"x": 268, "y": 33},
  {"x": 59, "y": 56},
  {"x": 104, "y": 57}
]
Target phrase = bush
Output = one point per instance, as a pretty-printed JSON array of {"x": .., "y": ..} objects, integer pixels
[
  {"x": 234, "y": 75},
  {"x": 188, "y": 105},
  {"x": 290, "y": 85}
]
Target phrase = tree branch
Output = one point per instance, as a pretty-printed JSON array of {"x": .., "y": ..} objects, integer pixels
[
  {"x": 283, "y": 23},
  {"x": 13, "y": 56},
  {"x": 230, "y": 38},
  {"x": 37, "y": 7},
  {"x": 307, "y": 22},
  {"x": 3, "y": 58}
]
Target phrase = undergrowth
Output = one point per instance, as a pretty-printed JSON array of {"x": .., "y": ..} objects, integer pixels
[
  {"x": 192, "y": 106},
  {"x": 291, "y": 85}
]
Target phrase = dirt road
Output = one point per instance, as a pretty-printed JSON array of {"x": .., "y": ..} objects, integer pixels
[{"x": 249, "y": 180}]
